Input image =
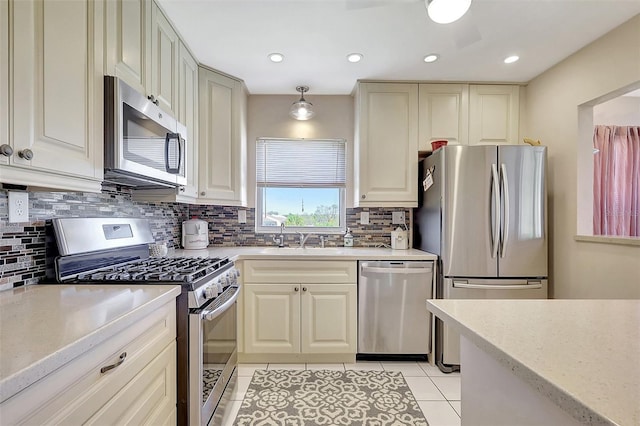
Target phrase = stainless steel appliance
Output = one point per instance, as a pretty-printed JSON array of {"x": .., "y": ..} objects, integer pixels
[
  {"x": 115, "y": 251},
  {"x": 392, "y": 315},
  {"x": 144, "y": 147},
  {"x": 483, "y": 211}
]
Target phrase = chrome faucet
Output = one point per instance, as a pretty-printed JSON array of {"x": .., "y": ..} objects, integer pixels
[
  {"x": 303, "y": 239},
  {"x": 280, "y": 240},
  {"x": 322, "y": 240}
]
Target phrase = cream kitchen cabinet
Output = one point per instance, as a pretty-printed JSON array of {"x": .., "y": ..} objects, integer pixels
[
  {"x": 222, "y": 140},
  {"x": 143, "y": 50},
  {"x": 140, "y": 388},
  {"x": 444, "y": 114},
  {"x": 128, "y": 42},
  {"x": 55, "y": 112},
  {"x": 299, "y": 311},
  {"x": 386, "y": 145},
  {"x": 164, "y": 61},
  {"x": 494, "y": 114}
]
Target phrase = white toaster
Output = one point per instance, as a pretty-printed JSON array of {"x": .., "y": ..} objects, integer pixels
[{"x": 195, "y": 234}]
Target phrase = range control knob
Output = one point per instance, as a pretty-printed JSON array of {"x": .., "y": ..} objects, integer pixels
[
  {"x": 219, "y": 286},
  {"x": 210, "y": 292}
]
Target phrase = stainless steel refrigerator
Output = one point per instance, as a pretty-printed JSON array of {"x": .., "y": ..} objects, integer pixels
[{"x": 483, "y": 211}]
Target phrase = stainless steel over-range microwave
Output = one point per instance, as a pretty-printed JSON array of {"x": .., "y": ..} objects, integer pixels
[{"x": 144, "y": 147}]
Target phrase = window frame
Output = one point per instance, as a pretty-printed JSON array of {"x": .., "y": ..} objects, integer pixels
[{"x": 342, "y": 207}]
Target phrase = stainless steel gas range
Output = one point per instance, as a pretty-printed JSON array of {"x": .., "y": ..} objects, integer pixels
[{"x": 116, "y": 251}]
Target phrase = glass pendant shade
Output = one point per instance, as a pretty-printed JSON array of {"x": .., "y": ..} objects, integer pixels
[
  {"x": 301, "y": 109},
  {"x": 447, "y": 11}
]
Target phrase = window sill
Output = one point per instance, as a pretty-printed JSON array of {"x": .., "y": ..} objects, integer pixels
[{"x": 603, "y": 239}]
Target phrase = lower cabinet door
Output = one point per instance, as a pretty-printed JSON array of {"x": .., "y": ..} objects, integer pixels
[
  {"x": 328, "y": 320},
  {"x": 272, "y": 315},
  {"x": 148, "y": 399}
]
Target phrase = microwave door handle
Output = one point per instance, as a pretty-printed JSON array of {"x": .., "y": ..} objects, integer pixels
[{"x": 167, "y": 138}]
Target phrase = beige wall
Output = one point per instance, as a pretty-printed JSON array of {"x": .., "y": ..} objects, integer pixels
[
  {"x": 621, "y": 111},
  {"x": 268, "y": 116},
  {"x": 582, "y": 269}
]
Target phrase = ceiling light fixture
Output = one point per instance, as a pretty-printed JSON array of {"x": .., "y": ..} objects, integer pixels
[
  {"x": 276, "y": 57},
  {"x": 432, "y": 57},
  {"x": 302, "y": 110},
  {"x": 446, "y": 11},
  {"x": 354, "y": 57},
  {"x": 511, "y": 59}
]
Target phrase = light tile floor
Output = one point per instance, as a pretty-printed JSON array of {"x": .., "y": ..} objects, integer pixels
[{"x": 437, "y": 393}]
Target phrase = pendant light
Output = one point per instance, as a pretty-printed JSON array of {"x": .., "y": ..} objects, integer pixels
[
  {"x": 302, "y": 110},
  {"x": 447, "y": 11}
]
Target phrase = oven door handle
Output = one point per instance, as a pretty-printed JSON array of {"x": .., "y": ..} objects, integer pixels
[{"x": 212, "y": 313}]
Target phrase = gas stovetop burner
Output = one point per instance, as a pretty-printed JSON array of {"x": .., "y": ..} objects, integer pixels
[{"x": 178, "y": 269}]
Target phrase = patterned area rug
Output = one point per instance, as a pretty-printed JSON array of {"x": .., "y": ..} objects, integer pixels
[
  {"x": 324, "y": 397},
  {"x": 209, "y": 379}
]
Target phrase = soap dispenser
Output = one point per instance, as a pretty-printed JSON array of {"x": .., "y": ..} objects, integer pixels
[{"x": 348, "y": 238}]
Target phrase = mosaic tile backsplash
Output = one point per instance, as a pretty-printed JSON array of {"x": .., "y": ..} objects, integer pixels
[{"x": 22, "y": 245}]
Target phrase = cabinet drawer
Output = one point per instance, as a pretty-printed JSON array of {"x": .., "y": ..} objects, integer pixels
[
  {"x": 300, "y": 271},
  {"x": 78, "y": 390}
]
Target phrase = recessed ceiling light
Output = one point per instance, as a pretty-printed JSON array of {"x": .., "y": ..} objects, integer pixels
[
  {"x": 354, "y": 57},
  {"x": 276, "y": 57},
  {"x": 431, "y": 58},
  {"x": 511, "y": 59}
]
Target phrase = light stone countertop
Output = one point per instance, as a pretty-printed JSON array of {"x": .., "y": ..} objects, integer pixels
[
  {"x": 584, "y": 355},
  {"x": 43, "y": 327},
  {"x": 310, "y": 253}
]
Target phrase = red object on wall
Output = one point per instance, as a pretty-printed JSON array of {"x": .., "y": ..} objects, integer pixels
[{"x": 437, "y": 144}]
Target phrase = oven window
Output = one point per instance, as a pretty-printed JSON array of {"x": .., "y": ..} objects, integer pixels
[{"x": 219, "y": 343}]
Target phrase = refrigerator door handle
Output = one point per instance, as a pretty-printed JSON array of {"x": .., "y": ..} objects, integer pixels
[
  {"x": 465, "y": 284},
  {"x": 505, "y": 219},
  {"x": 495, "y": 217}
]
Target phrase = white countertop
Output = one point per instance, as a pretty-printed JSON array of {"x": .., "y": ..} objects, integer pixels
[
  {"x": 43, "y": 327},
  {"x": 584, "y": 355},
  {"x": 311, "y": 253}
]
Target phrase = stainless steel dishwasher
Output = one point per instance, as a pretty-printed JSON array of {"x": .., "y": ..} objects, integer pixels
[{"x": 392, "y": 314}]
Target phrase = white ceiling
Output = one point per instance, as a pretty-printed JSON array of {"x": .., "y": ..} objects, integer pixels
[{"x": 315, "y": 36}]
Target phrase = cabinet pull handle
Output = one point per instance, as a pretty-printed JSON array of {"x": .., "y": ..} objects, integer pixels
[
  {"x": 296, "y": 288},
  {"x": 123, "y": 356},
  {"x": 6, "y": 150},
  {"x": 27, "y": 154},
  {"x": 152, "y": 98},
  {"x": 304, "y": 289}
]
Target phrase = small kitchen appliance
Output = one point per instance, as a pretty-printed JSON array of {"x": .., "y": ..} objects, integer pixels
[
  {"x": 399, "y": 239},
  {"x": 195, "y": 234},
  {"x": 110, "y": 251}
]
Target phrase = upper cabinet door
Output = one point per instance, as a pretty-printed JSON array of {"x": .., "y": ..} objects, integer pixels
[
  {"x": 386, "y": 145},
  {"x": 57, "y": 79},
  {"x": 164, "y": 61},
  {"x": 188, "y": 115},
  {"x": 222, "y": 146},
  {"x": 444, "y": 112},
  {"x": 128, "y": 42},
  {"x": 494, "y": 114}
]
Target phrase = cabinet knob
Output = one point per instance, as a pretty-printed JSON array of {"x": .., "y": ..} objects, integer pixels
[
  {"x": 6, "y": 150},
  {"x": 203, "y": 193},
  {"x": 304, "y": 289},
  {"x": 152, "y": 98},
  {"x": 363, "y": 196},
  {"x": 182, "y": 189},
  {"x": 296, "y": 288},
  {"x": 27, "y": 154}
]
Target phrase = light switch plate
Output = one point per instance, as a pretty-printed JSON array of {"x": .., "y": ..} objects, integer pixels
[
  {"x": 364, "y": 218},
  {"x": 397, "y": 218},
  {"x": 18, "y": 207},
  {"x": 242, "y": 216}
]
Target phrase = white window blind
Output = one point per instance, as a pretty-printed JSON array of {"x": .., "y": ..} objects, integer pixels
[{"x": 299, "y": 163}]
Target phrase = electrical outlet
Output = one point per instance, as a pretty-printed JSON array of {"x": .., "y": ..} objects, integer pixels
[
  {"x": 242, "y": 216},
  {"x": 364, "y": 218},
  {"x": 397, "y": 218},
  {"x": 18, "y": 207}
]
